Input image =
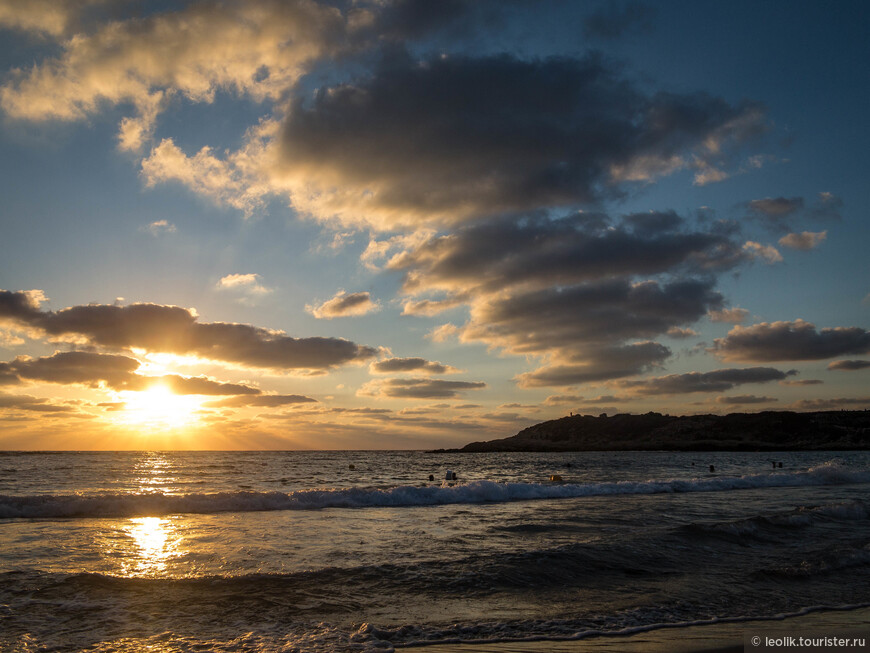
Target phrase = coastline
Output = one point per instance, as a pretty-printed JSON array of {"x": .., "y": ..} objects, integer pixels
[{"x": 722, "y": 637}]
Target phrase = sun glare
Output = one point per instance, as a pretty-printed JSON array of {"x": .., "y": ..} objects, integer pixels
[{"x": 159, "y": 407}]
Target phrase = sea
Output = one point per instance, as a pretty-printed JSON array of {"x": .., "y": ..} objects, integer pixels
[{"x": 383, "y": 550}]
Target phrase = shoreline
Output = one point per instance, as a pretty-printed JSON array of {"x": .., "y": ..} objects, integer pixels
[{"x": 726, "y": 636}]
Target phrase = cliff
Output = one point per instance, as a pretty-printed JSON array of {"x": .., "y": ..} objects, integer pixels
[{"x": 765, "y": 431}]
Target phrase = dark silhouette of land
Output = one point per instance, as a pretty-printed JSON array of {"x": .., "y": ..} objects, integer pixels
[{"x": 765, "y": 431}]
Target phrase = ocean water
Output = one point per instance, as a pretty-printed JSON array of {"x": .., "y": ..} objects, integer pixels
[{"x": 359, "y": 551}]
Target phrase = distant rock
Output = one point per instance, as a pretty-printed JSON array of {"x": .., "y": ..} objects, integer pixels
[{"x": 765, "y": 431}]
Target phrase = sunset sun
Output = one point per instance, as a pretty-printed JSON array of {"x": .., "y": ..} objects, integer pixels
[{"x": 158, "y": 407}]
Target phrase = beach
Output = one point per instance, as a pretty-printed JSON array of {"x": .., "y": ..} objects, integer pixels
[{"x": 711, "y": 638}]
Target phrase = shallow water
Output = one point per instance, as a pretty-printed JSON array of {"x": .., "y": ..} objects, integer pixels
[{"x": 282, "y": 551}]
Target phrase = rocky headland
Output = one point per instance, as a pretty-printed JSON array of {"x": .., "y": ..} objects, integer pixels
[{"x": 765, "y": 431}]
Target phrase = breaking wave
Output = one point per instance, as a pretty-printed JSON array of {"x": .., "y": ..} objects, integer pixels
[{"x": 130, "y": 505}]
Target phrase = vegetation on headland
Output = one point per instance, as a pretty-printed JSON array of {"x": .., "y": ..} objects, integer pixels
[{"x": 765, "y": 431}]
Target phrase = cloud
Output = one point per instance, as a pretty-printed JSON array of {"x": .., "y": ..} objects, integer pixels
[
  {"x": 176, "y": 330},
  {"x": 560, "y": 400},
  {"x": 344, "y": 305},
  {"x": 805, "y": 240},
  {"x": 393, "y": 365},
  {"x": 615, "y": 20},
  {"x": 767, "y": 253},
  {"x": 802, "y": 382},
  {"x": 32, "y": 404},
  {"x": 236, "y": 181},
  {"x": 264, "y": 47},
  {"x": 196, "y": 385},
  {"x": 776, "y": 207},
  {"x": 679, "y": 333},
  {"x": 849, "y": 365},
  {"x": 44, "y": 16},
  {"x": 827, "y": 207},
  {"x": 729, "y": 315},
  {"x": 260, "y": 400},
  {"x": 160, "y": 227},
  {"x": 775, "y": 212},
  {"x": 598, "y": 364},
  {"x": 429, "y": 307},
  {"x": 248, "y": 284},
  {"x": 457, "y": 138},
  {"x": 443, "y": 332},
  {"x": 109, "y": 370},
  {"x": 838, "y": 403},
  {"x": 582, "y": 318},
  {"x": 784, "y": 341},
  {"x": 535, "y": 251},
  {"x": 744, "y": 399},
  {"x": 454, "y": 137},
  {"x": 418, "y": 388},
  {"x": 715, "y": 381},
  {"x": 567, "y": 290},
  {"x": 86, "y": 368}
]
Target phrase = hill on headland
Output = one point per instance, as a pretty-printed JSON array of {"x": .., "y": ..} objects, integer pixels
[{"x": 765, "y": 431}]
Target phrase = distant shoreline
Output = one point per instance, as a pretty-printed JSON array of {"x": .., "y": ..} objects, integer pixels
[{"x": 763, "y": 432}]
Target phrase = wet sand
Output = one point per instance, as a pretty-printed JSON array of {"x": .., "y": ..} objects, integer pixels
[{"x": 712, "y": 638}]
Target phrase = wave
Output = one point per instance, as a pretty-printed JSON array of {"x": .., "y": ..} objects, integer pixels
[
  {"x": 764, "y": 526},
  {"x": 154, "y": 504},
  {"x": 556, "y": 630}
]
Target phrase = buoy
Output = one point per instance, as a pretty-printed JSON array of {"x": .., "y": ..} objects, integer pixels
[
  {"x": 351, "y": 466},
  {"x": 555, "y": 478},
  {"x": 712, "y": 469},
  {"x": 431, "y": 477}
]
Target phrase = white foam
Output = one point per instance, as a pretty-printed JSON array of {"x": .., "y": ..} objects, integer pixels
[{"x": 128, "y": 505}]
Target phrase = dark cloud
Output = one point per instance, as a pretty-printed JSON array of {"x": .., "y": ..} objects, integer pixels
[
  {"x": 535, "y": 250},
  {"x": 598, "y": 364},
  {"x": 455, "y": 138},
  {"x": 110, "y": 370},
  {"x": 838, "y": 403},
  {"x": 32, "y": 404},
  {"x": 260, "y": 400},
  {"x": 175, "y": 330},
  {"x": 776, "y": 207},
  {"x": 394, "y": 365},
  {"x": 419, "y": 388},
  {"x": 592, "y": 315},
  {"x": 407, "y": 19},
  {"x": 616, "y": 19},
  {"x": 557, "y": 400},
  {"x": 776, "y": 213},
  {"x": 849, "y": 365},
  {"x": 715, "y": 381},
  {"x": 786, "y": 341},
  {"x": 802, "y": 382},
  {"x": 79, "y": 367},
  {"x": 744, "y": 399},
  {"x": 566, "y": 288}
]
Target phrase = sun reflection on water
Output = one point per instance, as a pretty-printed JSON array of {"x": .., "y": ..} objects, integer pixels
[{"x": 155, "y": 541}]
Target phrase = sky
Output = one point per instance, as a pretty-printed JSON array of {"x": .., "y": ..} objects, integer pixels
[{"x": 375, "y": 224}]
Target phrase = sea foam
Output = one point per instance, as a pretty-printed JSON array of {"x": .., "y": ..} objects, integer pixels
[{"x": 133, "y": 505}]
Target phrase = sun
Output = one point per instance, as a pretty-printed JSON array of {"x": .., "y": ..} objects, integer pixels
[{"x": 158, "y": 407}]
